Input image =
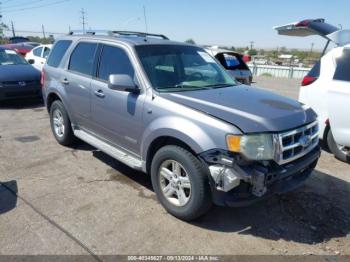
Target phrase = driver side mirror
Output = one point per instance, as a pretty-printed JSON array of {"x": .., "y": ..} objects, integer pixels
[
  {"x": 31, "y": 61},
  {"x": 122, "y": 82}
]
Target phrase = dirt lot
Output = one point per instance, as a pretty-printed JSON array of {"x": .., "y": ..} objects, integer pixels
[{"x": 59, "y": 200}]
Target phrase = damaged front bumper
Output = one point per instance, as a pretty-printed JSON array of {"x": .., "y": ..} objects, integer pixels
[{"x": 238, "y": 182}]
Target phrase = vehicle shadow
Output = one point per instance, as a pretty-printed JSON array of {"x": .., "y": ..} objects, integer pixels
[
  {"x": 33, "y": 103},
  {"x": 124, "y": 174},
  {"x": 8, "y": 197},
  {"x": 316, "y": 212}
]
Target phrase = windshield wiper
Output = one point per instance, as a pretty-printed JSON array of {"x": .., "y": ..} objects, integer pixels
[
  {"x": 179, "y": 87},
  {"x": 220, "y": 85}
]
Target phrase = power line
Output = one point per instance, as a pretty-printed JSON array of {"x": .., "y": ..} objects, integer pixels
[
  {"x": 35, "y": 32},
  {"x": 20, "y": 4},
  {"x": 35, "y": 7}
]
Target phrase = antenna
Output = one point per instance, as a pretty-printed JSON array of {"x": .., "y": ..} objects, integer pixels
[{"x": 145, "y": 17}]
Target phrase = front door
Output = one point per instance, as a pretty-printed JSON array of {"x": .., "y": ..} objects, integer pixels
[{"x": 116, "y": 115}]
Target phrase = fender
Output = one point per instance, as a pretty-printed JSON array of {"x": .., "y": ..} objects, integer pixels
[
  {"x": 66, "y": 105},
  {"x": 180, "y": 128}
]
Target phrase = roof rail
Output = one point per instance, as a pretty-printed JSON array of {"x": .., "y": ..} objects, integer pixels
[{"x": 114, "y": 33}]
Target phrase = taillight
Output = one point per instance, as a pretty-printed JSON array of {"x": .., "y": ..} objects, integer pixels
[
  {"x": 42, "y": 79},
  {"x": 303, "y": 23},
  {"x": 308, "y": 80}
]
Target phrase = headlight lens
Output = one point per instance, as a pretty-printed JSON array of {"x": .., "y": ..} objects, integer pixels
[{"x": 254, "y": 147}]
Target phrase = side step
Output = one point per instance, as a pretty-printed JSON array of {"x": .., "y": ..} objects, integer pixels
[{"x": 127, "y": 159}]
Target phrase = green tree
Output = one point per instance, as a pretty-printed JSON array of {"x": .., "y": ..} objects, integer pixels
[
  {"x": 190, "y": 41},
  {"x": 252, "y": 52},
  {"x": 3, "y": 27}
]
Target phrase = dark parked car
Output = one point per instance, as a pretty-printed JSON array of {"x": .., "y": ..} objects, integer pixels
[{"x": 18, "y": 79}]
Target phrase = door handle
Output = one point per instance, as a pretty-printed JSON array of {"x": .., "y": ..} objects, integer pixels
[
  {"x": 65, "y": 81},
  {"x": 99, "y": 93}
]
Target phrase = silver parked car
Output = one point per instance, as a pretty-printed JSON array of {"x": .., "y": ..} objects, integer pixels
[{"x": 170, "y": 110}]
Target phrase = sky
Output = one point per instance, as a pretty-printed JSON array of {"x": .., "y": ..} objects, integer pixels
[{"x": 211, "y": 22}]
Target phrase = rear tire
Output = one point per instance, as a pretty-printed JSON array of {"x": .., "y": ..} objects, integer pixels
[
  {"x": 191, "y": 197},
  {"x": 61, "y": 125},
  {"x": 335, "y": 148}
]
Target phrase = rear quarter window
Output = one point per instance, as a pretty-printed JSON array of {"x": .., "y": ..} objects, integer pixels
[
  {"x": 342, "y": 72},
  {"x": 58, "y": 52},
  {"x": 315, "y": 70}
]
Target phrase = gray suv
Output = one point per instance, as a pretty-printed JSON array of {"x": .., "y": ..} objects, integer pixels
[{"x": 170, "y": 110}]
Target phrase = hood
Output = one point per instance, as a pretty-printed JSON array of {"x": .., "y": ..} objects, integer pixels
[
  {"x": 18, "y": 73},
  {"x": 250, "y": 109}
]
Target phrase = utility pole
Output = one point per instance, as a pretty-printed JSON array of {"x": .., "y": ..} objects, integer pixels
[
  {"x": 83, "y": 18},
  {"x": 251, "y": 45},
  {"x": 13, "y": 29},
  {"x": 42, "y": 27},
  {"x": 145, "y": 18},
  {"x": 312, "y": 47}
]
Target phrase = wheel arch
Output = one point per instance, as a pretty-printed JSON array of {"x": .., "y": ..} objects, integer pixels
[{"x": 162, "y": 141}]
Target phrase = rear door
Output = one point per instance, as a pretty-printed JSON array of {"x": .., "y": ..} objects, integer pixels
[
  {"x": 307, "y": 28},
  {"x": 235, "y": 65},
  {"x": 77, "y": 81},
  {"x": 339, "y": 99}
]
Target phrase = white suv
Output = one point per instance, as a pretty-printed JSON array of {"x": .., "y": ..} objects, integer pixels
[{"x": 326, "y": 88}]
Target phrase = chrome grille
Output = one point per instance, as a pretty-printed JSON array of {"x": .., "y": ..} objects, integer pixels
[{"x": 296, "y": 143}]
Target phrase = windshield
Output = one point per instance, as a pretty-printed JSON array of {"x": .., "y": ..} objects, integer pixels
[
  {"x": 176, "y": 68},
  {"x": 10, "y": 57}
]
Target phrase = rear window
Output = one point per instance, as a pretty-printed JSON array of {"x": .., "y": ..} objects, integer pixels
[
  {"x": 82, "y": 58},
  {"x": 315, "y": 70},
  {"x": 58, "y": 52},
  {"x": 343, "y": 67},
  {"x": 231, "y": 61}
]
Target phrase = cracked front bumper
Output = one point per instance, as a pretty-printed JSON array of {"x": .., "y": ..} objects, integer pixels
[{"x": 258, "y": 181}]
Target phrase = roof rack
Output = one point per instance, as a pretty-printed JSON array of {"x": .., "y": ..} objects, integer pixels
[{"x": 114, "y": 33}]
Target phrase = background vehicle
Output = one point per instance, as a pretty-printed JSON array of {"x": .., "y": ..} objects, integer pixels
[
  {"x": 37, "y": 56},
  {"x": 21, "y": 48},
  {"x": 170, "y": 110},
  {"x": 233, "y": 63},
  {"x": 326, "y": 87},
  {"x": 18, "y": 79},
  {"x": 18, "y": 39}
]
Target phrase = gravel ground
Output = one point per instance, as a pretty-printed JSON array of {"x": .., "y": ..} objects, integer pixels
[{"x": 59, "y": 200}]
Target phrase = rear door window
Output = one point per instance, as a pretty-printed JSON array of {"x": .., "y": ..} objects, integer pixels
[
  {"x": 82, "y": 58},
  {"x": 58, "y": 52},
  {"x": 114, "y": 60},
  {"x": 343, "y": 67},
  {"x": 46, "y": 52}
]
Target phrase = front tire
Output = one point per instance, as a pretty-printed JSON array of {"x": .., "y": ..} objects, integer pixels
[
  {"x": 180, "y": 182},
  {"x": 336, "y": 149},
  {"x": 60, "y": 124}
]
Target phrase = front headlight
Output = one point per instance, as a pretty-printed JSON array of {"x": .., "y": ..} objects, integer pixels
[{"x": 254, "y": 147}]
